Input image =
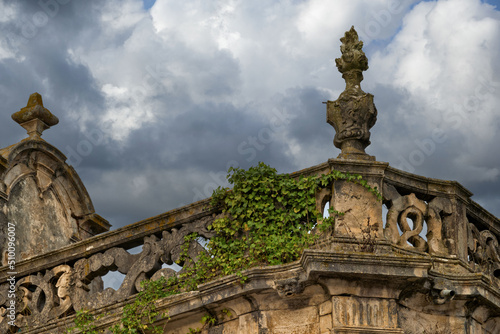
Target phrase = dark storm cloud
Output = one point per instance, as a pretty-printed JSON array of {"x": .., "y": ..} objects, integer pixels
[
  {"x": 179, "y": 160},
  {"x": 307, "y": 127},
  {"x": 41, "y": 64},
  {"x": 403, "y": 137},
  {"x": 204, "y": 136},
  {"x": 309, "y": 123},
  {"x": 154, "y": 106}
]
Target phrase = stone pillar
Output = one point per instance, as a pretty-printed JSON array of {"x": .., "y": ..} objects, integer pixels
[{"x": 362, "y": 210}]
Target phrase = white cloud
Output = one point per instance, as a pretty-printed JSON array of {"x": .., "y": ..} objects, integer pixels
[
  {"x": 189, "y": 21},
  {"x": 444, "y": 58},
  {"x": 248, "y": 51},
  {"x": 189, "y": 78},
  {"x": 121, "y": 15},
  {"x": 8, "y": 11}
]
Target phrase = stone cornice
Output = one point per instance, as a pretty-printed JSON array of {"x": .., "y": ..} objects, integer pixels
[{"x": 313, "y": 267}]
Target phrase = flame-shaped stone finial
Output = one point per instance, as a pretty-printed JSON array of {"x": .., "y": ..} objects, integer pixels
[
  {"x": 353, "y": 113},
  {"x": 35, "y": 118}
]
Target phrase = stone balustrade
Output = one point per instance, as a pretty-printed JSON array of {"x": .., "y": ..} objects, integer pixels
[
  {"x": 431, "y": 229},
  {"x": 421, "y": 258}
]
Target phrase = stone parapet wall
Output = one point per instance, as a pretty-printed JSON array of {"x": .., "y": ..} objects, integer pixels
[{"x": 431, "y": 254}]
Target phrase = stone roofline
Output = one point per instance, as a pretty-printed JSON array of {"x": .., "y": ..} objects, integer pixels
[
  {"x": 335, "y": 257},
  {"x": 424, "y": 259},
  {"x": 132, "y": 235},
  {"x": 40, "y": 193}
]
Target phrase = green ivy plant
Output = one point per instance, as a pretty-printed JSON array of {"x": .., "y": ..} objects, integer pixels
[
  {"x": 84, "y": 323},
  {"x": 140, "y": 316},
  {"x": 268, "y": 219},
  {"x": 208, "y": 321}
]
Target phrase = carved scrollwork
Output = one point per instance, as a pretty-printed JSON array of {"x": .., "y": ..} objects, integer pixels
[
  {"x": 65, "y": 289},
  {"x": 409, "y": 207},
  {"x": 173, "y": 241},
  {"x": 41, "y": 297},
  {"x": 483, "y": 251}
]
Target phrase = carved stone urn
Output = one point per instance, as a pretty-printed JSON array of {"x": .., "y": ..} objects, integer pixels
[{"x": 353, "y": 113}]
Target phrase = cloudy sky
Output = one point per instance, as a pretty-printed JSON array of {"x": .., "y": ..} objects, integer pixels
[{"x": 156, "y": 99}]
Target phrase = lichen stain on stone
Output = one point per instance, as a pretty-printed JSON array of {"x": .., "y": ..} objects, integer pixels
[
  {"x": 171, "y": 219},
  {"x": 45, "y": 225}
]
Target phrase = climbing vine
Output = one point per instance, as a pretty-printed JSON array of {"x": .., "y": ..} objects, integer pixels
[
  {"x": 140, "y": 316},
  {"x": 267, "y": 219},
  {"x": 137, "y": 318},
  {"x": 84, "y": 323}
]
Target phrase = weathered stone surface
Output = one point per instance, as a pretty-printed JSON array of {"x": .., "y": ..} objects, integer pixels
[
  {"x": 361, "y": 214},
  {"x": 46, "y": 201},
  {"x": 422, "y": 323},
  {"x": 28, "y": 209},
  {"x": 404, "y": 208},
  {"x": 483, "y": 250},
  {"x": 368, "y": 274},
  {"x": 356, "y": 312},
  {"x": 325, "y": 308},
  {"x": 35, "y": 118},
  {"x": 299, "y": 321},
  {"x": 353, "y": 113},
  {"x": 336, "y": 288},
  {"x": 40, "y": 194},
  {"x": 362, "y": 211},
  {"x": 325, "y": 324},
  {"x": 248, "y": 324}
]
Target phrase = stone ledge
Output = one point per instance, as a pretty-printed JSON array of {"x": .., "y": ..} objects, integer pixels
[
  {"x": 366, "y": 330},
  {"x": 426, "y": 185},
  {"x": 128, "y": 236},
  {"x": 484, "y": 216},
  {"x": 312, "y": 265},
  {"x": 320, "y": 263},
  {"x": 362, "y": 167}
]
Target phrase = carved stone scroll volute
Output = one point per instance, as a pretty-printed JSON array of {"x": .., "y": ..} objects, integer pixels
[
  {"x": 484, "y": 251},
  {"x": 409, "y": 207}
]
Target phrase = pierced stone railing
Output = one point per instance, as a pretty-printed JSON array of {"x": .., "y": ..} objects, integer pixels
[
  {"x": 55, "y": 285},
  {"x": 420, "y": 215},
  {"x": 428, "y": 218},
  {"x": 483, "y": 233},
  {"x": 454, "y": 225}
]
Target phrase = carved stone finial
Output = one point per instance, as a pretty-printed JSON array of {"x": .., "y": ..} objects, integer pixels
[
  {"x": 34, "y": 117},
  {"x": 353, "y": 113}
]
